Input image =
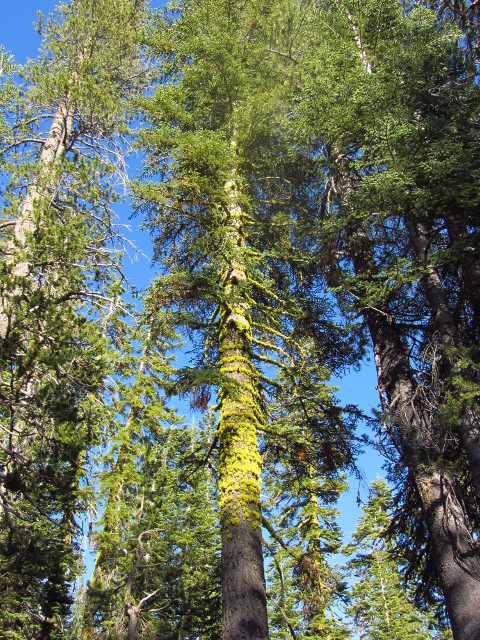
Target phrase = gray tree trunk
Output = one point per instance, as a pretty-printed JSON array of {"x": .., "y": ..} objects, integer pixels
[
  {"x": 469, "y": 267},
  {"x": 412, "y": 431},
  {"x": 133, "y": 615},
  {"x": 447, "y": 335},
  {"x": 38, "y": 196}
]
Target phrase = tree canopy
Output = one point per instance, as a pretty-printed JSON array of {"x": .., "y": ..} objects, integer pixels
[{"x": 309, "y": 176}]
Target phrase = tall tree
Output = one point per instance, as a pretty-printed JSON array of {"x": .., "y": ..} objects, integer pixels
[
  {"x": 222, "y": 235},
  {"x": 58, "y": 287},
  {"x": 362, "y": 248},
  {"x": 303, "y": 479},
  {"x": 157, "y": 530}
]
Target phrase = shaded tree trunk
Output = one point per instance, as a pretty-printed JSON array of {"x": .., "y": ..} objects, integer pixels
[
  {"x": 413, "y": 433},
  {"x": 447, "y": 334},
  {"x": 468, "y": 263}
]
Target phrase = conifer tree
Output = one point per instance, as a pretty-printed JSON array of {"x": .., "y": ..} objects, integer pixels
[
  {"x": 156, "y": 535},
  {"x": 8, "y": 88},
  {"x": 302, "y": 482},
  {"x": 222, "y": 236},
  {"x": 361, "y": 246},
  {"x": 59, "y": 284},
  {"x": 380, "y": 605}
]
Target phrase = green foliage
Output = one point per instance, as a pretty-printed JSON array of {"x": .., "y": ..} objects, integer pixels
[
  {"x": 380, "y": 605},
  {"x": 60, "y": 283},
  {"x": 8, "y": 88},
  {"x": 157, "y": 535},
  {"x": 279, "y": 139},
  {"x": 303, "y": 457},
  {"x": 389, "y": 112},
  {"x": 223, "y": 216}
]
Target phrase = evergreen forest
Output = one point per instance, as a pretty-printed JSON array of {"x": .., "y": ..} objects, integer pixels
[{"x": 172, "y": 456}]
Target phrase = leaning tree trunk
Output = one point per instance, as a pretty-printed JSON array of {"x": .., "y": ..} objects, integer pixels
[
  {"x": 38, "y": 196},
  {"x": 244, "y": 609},
  {"x": 456, "y": 561},
  {"x": 447, "y": 334}
]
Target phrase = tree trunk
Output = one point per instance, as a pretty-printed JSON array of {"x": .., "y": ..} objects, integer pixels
[
  {"x": 469, "y": 264},
  {"x": 446, "y": 333},
  {"x": 456, "y": 558},
  {"x": 244, "y": 608},
  {"x": 38, "y": 196},
  {"x": 133, "y": 615},
  {"x": 413, "y": 433}
]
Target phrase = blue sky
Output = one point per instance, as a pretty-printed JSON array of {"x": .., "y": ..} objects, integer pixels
[{"x": 18, "y": 35}]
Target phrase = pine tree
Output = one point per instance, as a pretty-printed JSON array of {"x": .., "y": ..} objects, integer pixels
[
  {"x": 303, "y": 466},
  {"x": 8, "y": 88},
  {"x": 158, "y": 515},
  {"x": 159, "y": 519},
  {"x": 365, "y": 248},
  {"x": 223, "y": 239}
]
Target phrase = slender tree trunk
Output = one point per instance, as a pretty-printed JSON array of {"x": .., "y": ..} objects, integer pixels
[
  {"x": 315, "y": 570},
  {"x": 110, "y": 519},
  {"x": 244, "y": 606},
  {"x": 446, "y": 333},
  {"x": 412, "y": 431},
  {"x": 38, "y": 196}
]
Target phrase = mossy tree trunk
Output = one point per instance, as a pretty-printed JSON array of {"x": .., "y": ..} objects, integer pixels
[{"x": 244, "y": 607}]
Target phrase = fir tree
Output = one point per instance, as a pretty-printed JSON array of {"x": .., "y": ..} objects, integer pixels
[
  {"x": 222, "y": 236},
  {"x": 365, "y": 257}
]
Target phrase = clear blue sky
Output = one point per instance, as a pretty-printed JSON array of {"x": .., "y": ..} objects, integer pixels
[{"x": 18, "y": 35}]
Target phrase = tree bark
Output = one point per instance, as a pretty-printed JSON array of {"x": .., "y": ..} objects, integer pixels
[
  {"x": 468, "y": 264},
  {"x": 244, "y": 609},
  {"x": 412, "y": 431},
  {"x": 133, "y": 615},
  {"x": 38, "y": 196},
  {"x": 447, "y": 334}
]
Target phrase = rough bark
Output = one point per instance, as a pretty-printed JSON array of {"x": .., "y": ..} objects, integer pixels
[
  {"x": 244, "y": 609},
  {"x": 133, "y": 615},
  {"x": 447, "y": 335},
  {"x": 412, "y": 431}
]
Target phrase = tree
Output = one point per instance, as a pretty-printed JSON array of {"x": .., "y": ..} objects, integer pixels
[
  {"x": 303, "y": 472},
  {"x": 8, "y": 88},
  {"x": 380, "y": 605},
  {"x": 59, "y": 284},
  {"x": 222, "y": 235},
  {"x": 157, "y": 530},
  {"x": 361, "y": 255}
]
